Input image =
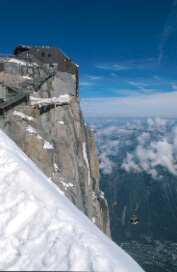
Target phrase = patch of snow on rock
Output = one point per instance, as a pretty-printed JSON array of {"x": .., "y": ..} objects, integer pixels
[
  {"x": 86, "y": 161},
  {"x": 39, "y": 137},
  {"x": 27, "y": 77},
  {"x": 18, "y": 61},
  {"x": 22, "y": 62},
  {"x": 20, "y": 114},
  {"x": 30, "y": 118},
  {"x": 47, "y": 145},
  {"x": 102, "y": 194},
  {"x": 48, "y": 101},
  {"x": 55, "y": 167},
  {"x": 23, "y": 116},
  {"x": 31, "y": 130}
]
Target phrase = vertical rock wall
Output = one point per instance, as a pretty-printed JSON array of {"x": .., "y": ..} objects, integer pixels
[
  {"x": 59, "y": 143},
  {"x": 63, "y": 147}
]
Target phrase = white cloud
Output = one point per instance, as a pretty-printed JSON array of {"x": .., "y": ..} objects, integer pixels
[
  {"x": 113, "y": 74},
  {"x": 112, "y": 131},
  {"x": 85, "y": 83},
  {"x": 118, "y": 67},
  {"x": 169, "y": 28},
  {"x": 109, "y": 131},
  {"x": 129, "y": 164},
  {"x": 175, "y": 139},
  {"x": 95, "y": 77},
  {"x": 113, "y": 67},
  {"x": 160, "y": 153},
  {"x": 125, "y": 92},
  {"x": 159, "y": 104},
  {"x": 174, "y": 86},
  {"x": 136, "y": 125},
  {"x": 106, "y": 165},
  {"x": 106, "y": 148},
  {"x": 143, "y": 138},
  {"x": 157, "y": 124},
  {"x": 138, "y": 84},
  {"x": 141, "y": 86},
  {"x": 149, "y": 152}
]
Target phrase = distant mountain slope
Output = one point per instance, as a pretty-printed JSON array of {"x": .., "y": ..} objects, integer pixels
[
  {"x": 41, "y": 229},
  {"x": 138, "y": 172},
  {"x": 155, "y": 199}
]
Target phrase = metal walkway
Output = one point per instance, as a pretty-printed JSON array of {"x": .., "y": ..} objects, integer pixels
[
  {"x": 23, "y": 89},
  {"x": 19, "y": 94}
]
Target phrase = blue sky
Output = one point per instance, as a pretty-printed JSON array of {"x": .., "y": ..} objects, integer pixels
[{"x": 126, "y": 49}]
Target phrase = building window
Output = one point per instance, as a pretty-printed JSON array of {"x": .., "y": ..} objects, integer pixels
[
  {"x": 49, "y": 55},
  {"x": 43, "y": 54}
]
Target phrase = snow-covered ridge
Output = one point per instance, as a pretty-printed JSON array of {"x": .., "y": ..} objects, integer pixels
[{"x": 41, "y": 229}]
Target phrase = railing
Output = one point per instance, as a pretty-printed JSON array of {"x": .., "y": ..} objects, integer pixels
[
  {"x": 32, "y": 60},
  {"x": 21, "y": 91},
  {"x": 18, "y": 96},
  {"x": 36, "y": 82},
  {"x": 2, "y": 55}
]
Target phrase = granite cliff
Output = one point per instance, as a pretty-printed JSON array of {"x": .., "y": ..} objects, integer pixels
[{"x": 55, "y": 136}]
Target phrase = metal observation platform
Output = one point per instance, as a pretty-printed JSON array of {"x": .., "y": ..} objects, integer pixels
[{"x": 11, "y": 94}]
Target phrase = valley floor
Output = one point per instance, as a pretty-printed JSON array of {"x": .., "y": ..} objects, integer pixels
[{"x": 155, "y": 257}]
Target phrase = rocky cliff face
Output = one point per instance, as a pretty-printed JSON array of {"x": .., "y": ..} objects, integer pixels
[{"x": 63, "y": 147}]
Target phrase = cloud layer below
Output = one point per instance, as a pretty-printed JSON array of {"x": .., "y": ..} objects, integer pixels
[
  {"x": 153, "y": 145},
  {"x": 149, "y": 154},
  {"x": 160, "y": 104}
]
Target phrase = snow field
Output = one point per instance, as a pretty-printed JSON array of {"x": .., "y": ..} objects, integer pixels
[{"x": 40, "y": 229}]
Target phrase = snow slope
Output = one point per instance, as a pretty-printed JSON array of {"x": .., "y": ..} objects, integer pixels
[{"x": 40, "y": 229}]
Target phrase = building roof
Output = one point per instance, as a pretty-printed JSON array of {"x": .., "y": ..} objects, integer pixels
[{"x": 48, "y": 55}]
